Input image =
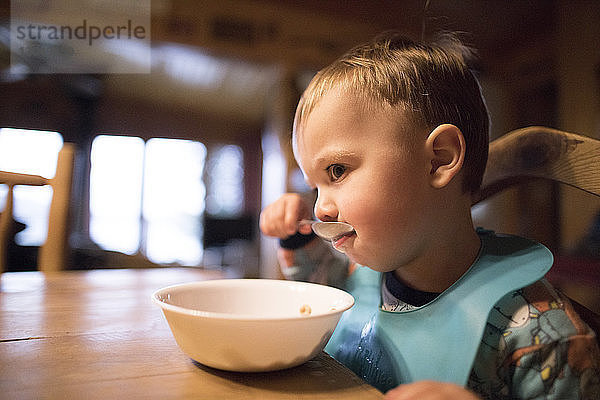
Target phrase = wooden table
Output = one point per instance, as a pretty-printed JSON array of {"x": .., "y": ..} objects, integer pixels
[{"x": 96, "y": 334}]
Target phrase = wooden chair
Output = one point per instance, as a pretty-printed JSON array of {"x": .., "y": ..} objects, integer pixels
[
  {"x": 543, "y": 153},
  {"x": 53, "y": 253},
  {"x": 540, "y": 152}
]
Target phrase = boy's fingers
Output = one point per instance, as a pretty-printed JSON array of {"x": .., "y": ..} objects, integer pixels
[
  {"x": 291, "y": 223},
  {"x": 270, "y": 221},
  {"x": 422, "y": 390},
  {"x": 275, "y": 222},
  {"x": 281, "y": 218},
  {"x": 293, "y": 214},
  {"x": 305, "y": 229}
]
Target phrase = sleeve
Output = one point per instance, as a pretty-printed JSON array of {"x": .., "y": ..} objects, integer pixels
[
  {"x": 551, "y": 353},
  {"x": 313, "y": 261}
]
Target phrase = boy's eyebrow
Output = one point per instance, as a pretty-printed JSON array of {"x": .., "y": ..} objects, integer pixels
[{"x": 333, "y": 156}]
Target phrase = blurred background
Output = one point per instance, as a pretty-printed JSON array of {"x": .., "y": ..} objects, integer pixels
[{"x": 173, "y": 166}]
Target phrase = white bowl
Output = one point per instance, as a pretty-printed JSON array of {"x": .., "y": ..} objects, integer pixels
[{"x": 252, "y": 325}]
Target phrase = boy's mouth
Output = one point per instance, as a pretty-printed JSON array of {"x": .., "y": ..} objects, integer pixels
[{"x": 338, "y": 241}]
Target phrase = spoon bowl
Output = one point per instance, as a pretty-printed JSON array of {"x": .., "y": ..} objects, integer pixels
[{"x": 331, "y": 230}]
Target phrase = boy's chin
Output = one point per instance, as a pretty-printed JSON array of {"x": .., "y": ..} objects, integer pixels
[
  {"x": 372, "y": 263},
  {"x": 382, "y": 269}
]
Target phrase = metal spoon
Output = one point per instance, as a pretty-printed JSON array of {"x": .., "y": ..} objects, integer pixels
[{"x": 329, "y": 230}]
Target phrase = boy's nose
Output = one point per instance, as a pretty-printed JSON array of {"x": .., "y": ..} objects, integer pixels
[{"x": 325, "y": 209}]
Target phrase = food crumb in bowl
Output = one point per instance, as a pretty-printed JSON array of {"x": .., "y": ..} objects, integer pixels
[{"x": 305, "y": 310}]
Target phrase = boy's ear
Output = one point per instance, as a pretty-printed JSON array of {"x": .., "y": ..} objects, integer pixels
[{"x": 445, "y": 148}]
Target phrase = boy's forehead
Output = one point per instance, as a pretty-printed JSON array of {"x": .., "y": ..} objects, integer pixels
[
  {"x": 339, "y": 110},
  {"x": 299, "y": 148},
  {"x": 339, "y": 127},
  {"x": 334, "y": 108},
  {"x": 297, "y": 156}
]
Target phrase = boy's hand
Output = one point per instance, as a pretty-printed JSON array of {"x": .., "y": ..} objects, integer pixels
[
  {"x": 431, "y": 390},
  {"x": 281, "y": 218}
]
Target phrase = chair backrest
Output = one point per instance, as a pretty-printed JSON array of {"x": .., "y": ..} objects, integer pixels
[
  {"x": 540, "y": 152},
  {"x": 543, "y": 153},
  {"x": 53, "y": 253}
]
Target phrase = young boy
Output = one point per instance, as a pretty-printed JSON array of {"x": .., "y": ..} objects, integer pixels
[{"x": 393, "y": 136}]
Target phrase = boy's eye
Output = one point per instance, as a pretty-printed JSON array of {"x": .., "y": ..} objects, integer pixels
[{"x": 336, "y": 171}]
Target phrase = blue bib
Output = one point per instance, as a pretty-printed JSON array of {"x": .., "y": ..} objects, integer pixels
[{"x": 438, "y": 341}]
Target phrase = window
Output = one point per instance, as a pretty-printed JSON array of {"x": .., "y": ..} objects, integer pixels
[
  {"x": 148, "y": 197},
  {"x": 117, "y": 164},
  {"x": 226, "y": 182},
  {"x": 30, "y": 152},
  {"x": 273, "y": 170},
  {"x": 174, "y": 200}
]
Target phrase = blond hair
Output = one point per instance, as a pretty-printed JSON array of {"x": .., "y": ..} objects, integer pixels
[{"x": 430, "y": 84}]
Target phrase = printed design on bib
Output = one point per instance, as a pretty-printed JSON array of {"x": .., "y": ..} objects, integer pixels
[{"x": 535, "y": 342}]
